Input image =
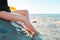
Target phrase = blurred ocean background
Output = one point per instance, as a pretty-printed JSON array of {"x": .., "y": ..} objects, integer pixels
[
  {"x": 49, "y": 16},
  {"x": 48, "y": 25}
]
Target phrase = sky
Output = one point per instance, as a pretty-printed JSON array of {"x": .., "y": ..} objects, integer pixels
[{"x": 36, "y": 6}]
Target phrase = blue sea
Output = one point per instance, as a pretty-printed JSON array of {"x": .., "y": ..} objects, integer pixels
[
  {"x": 53, "y": 28},
  {"x": 49, "y": 16}
]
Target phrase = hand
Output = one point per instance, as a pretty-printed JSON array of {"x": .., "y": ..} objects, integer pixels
[{"x": 32, "y": 33}]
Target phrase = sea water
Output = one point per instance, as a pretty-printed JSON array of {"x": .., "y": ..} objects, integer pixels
[
  {"x": 53, "y": 28},
  {"x": 49, "y": 16}
]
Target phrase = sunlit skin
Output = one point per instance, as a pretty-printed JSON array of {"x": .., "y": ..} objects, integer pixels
[{"x": 22, "y": 12}]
